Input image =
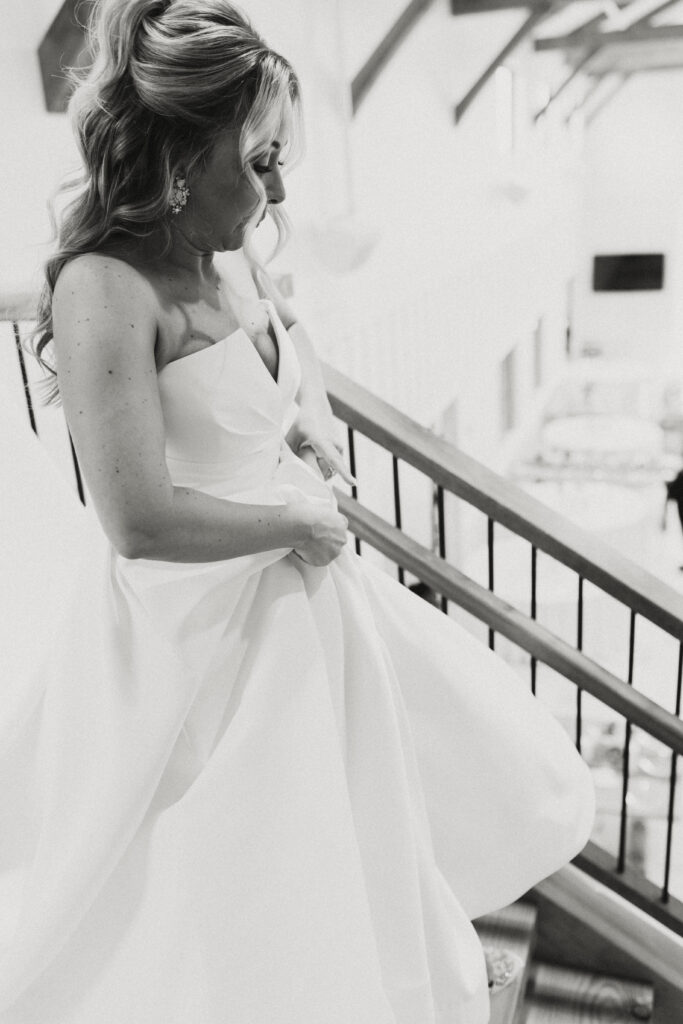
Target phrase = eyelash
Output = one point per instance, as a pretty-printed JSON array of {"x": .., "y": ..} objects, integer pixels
[{"x": 265, "y": 168}]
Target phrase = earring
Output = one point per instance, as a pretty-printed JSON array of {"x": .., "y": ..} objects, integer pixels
[{"x": 179, "y": 194}]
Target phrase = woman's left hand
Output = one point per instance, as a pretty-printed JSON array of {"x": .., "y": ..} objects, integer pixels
[{"x": 315, "y": 443}]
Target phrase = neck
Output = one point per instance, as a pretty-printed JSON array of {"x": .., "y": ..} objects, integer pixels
[{"x": 188, "y": 256}]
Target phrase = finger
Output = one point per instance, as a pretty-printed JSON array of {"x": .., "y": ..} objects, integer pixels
[
  {"x": 327, "y": 452},
  {"x": 336, "y": 462}
]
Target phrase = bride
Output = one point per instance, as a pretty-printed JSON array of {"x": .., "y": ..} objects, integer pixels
[{"x": 256, "y": 781}]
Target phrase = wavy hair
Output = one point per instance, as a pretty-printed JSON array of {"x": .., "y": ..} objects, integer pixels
[{"x": 166, "y": 76}]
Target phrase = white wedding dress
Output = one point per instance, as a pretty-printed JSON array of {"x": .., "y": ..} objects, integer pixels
[{"x": 261, "y": 792}]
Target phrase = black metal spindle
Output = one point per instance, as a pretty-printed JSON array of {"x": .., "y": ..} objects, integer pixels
[
  {"x": 534, "y": 609},
  {"x": 24, "y": 376},
  {"x": 672, "y": 788},
  {"x": 441, "y": 518},
  {"x": 621, "y": 861},
  {"x": 489, "y": 542},
  {"x": 397, "y": 510},
  {"x": 352, "y": 467},
  {"x": 579, "y": 647}
]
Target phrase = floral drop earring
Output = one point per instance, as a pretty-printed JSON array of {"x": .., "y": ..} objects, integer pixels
[{"x": 179, "y": 194}]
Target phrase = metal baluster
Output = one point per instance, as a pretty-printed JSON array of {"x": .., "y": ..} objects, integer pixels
[
  {"x": 24, "y": 376},
  {"x": 492, "y": 641},
  {"x": 534, "y": 561},
  {"x": 442, "y": 536},
  {"x": 352, "y": 467},
  {"x": 621, "y": 862},
  {"x": 672, "y": 788},
  {"x": 579, "y": 647},
  {"x": 397, "y": 510}
]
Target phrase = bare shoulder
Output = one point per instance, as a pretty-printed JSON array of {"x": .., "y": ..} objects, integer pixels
[{"x": 101, "y": 300}]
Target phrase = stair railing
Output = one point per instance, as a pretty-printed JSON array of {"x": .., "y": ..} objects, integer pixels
[
  {"x": 501, "y": 502},
  {"x": 452, "y": 472}
]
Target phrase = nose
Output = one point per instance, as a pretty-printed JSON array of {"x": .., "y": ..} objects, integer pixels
[{"x": 275, "y": 190}]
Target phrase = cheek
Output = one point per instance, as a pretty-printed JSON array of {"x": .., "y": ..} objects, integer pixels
[{"x": 246, "y": 195}]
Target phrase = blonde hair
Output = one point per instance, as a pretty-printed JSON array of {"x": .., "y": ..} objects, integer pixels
[{"x": 166, "y": 76}]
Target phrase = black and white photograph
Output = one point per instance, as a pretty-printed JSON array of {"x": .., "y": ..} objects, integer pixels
[{"x": 341, "y": 524}]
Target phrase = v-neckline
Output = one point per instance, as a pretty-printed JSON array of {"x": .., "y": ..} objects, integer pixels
[{"x": 228, "y": 337}]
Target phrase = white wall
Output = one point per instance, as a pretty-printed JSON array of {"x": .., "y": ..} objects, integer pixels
[
  {"x": 474, "y": 244},
  {"x": 37, "y": 148},
  {"x": 633, "y": 202}
]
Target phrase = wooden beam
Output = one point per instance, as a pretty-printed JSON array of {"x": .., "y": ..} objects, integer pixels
[
  {"x": 486, "y": 6},
  {"x": 382, "y": 54},
  {"x": 641, "y": 33},
  {"x": 657, "y": 9},
  {"x": 63, "y": 46},
  {"x": 631, "y": 885},
  {"x": 589, "y": 26},
  {"x": 624, "y": 939},
  {"x": 590, "y": 91},
  {"x": 537, "y": 15},
  {"x": 606, "y": 99},
  {"x": 578, "y": 68}
]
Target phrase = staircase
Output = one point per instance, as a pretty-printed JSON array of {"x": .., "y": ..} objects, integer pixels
[
  {"x": 547, "y": 994},
  {"x": 560, "y": 983}
]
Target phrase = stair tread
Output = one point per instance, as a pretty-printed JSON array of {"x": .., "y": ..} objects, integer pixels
[
  {"x": 561, "y": 995},
  {"x": 513, "y": 928}
]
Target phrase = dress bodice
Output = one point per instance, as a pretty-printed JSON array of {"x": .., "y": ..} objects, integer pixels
[{"x": 225, "y": 416}]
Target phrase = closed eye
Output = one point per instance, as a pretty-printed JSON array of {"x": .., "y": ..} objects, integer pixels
[{"x": 266, "y": 168}]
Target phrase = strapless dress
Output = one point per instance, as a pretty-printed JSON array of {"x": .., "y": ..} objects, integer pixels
[{"x": 257, "y": 791}]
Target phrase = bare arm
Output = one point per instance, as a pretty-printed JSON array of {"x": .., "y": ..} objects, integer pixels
[{"x": 104, "y": 316}]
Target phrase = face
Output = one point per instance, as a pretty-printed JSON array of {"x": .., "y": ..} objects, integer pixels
[{"x": 223, "y": 200}]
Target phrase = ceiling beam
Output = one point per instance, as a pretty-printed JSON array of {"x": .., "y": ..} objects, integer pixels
[
  {"x": 382, "y": 54},
  {"x": 640, "y": 33},
  {"x": 63, "y": 46},
  {"x": 606, "y": 99},
  {"x": 484, "y": 6},
  {"x": 587, "y": 96},
  {"x": 657, "y": 9},
  {"x": 534, "y": 18},
  {"x": 590, "y": 25},
  {"x": 643, "y": 69},
  {"x": 576, "y": 70}
]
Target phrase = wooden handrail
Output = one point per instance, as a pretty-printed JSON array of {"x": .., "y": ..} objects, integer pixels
[
  {"x": 507, "y": 620},
  {"x": 632, "y": 885},
  {"x": 506, "y": 503}
]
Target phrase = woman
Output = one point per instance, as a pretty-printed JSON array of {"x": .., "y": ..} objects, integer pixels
[{"x": 255, "y": 781}]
